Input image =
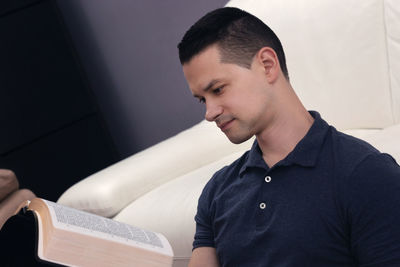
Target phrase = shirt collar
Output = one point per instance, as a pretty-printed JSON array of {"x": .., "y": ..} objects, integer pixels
[{"x": 304, "y": 154}]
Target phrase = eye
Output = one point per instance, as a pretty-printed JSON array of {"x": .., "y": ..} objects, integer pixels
[
  {"x": 217, "y": 90},
  {"x": 202, "y": 100}
]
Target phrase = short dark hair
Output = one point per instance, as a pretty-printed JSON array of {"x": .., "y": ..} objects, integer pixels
[{"x": 238, "y": 34}]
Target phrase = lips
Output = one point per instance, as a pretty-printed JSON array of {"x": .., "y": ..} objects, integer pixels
[{"x": 224, "y": 125}]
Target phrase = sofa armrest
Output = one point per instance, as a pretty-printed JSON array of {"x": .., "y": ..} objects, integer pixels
[{"x": 110, "y": 190}]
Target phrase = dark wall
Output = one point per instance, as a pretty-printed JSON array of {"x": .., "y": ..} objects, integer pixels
[{"x": 128, "y": 49}]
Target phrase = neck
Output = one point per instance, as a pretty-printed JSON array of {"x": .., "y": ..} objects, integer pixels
[{"x": 287, "y": 128}]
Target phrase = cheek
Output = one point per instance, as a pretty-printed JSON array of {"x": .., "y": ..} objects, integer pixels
[
  {"x": 256, "y": 106},
  {"x": 247, "y": 97},
  {"x": 239, "y": 103}
]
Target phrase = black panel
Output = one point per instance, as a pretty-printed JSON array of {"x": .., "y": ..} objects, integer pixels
[
  {"x": 9, "y": 6},
  {"x": 55, "y": 163},
  {"x": 52, "y": 133},
  {"x": 41, "y": 87}
]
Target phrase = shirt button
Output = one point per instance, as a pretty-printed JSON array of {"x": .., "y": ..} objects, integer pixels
[
  {"x": 263, "y": 205},
  {"x": 268, "y": 179}
]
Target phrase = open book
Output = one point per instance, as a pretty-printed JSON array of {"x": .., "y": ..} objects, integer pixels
[{"x": 71, "y": 237}]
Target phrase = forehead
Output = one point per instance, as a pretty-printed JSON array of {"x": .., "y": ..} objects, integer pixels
[
  {"x": 202, "y": 61},
  {"x": 204, "y": 67}
]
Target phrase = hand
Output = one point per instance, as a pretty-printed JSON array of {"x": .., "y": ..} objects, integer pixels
[
  {"x": 11, "y": 197},
  {"x": 8, "y": 183}
]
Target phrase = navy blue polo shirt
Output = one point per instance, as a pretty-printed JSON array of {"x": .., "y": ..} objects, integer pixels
[{"x": 333, "y": 201}]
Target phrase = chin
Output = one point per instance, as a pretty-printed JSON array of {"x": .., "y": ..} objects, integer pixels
[{"x": 238, "y": 139}]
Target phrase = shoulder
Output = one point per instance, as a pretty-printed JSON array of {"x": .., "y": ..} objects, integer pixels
[
  {"x": 224, "y": 177},
  {"x": 350, "y": 146},
  {"x": 368, "y": 178},
  {"x": 358, "y": 167},
  {"x": 358, "y": 161},
  {"x": 347, "y": 151},
  {"x": 374, "y": 171},
  {"x": 218, "y": 182}
]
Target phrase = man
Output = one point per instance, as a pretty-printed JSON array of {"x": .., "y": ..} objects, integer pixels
[{"x": 305, "y": 194}]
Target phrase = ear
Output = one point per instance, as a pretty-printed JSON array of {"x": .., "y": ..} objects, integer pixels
[{"x": 268, "y": 60}]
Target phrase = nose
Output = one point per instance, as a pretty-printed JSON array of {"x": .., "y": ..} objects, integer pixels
[{"x": 213, "y": 110}]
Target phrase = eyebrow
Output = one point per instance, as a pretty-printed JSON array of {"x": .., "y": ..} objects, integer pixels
[{"x": 210, "y": 84}]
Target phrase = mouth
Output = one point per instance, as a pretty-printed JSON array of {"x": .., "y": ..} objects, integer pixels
[{"x": 225, "y": 125}]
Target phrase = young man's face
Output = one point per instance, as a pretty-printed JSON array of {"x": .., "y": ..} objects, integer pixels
[{"x": 238, "y": 99}]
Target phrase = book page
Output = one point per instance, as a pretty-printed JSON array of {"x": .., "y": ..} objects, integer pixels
[{"x": 95, "y": 225}]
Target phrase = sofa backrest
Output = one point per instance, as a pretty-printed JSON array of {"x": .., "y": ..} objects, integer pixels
[{"x": 343, "y": 56}]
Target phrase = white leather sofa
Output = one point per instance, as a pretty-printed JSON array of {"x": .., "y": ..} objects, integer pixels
[{"x": 344, "y": 61}]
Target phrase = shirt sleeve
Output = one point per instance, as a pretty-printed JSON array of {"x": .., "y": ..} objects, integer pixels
[
  {"x": 204, "y": 236},
  {"x": 374, "y": 208}
]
